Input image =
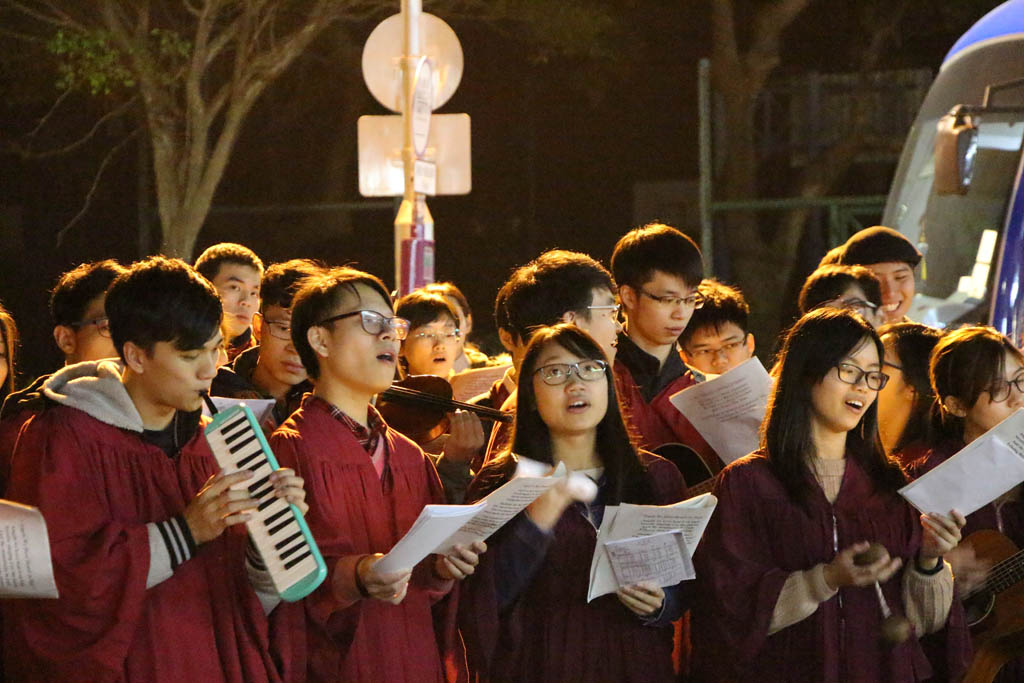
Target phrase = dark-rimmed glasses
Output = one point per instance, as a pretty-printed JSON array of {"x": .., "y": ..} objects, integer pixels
[
  {"x": 851, "y": 374},
  {"x": 724, "y": 349},
  {"x": 1002, "y": 393},
  {"x": 374, "y": 323},
  {"x": 694, "y": 301},
  {"x": 558, "y": 373},
  {"x": 436, "y": 338},
  {"x": 279, "y": 329},
  {"x": 102, "y": 325}
]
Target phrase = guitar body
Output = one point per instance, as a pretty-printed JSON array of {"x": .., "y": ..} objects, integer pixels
[
  {"x": 996, "y": 619},
  {"x": 698, "y": 476}
]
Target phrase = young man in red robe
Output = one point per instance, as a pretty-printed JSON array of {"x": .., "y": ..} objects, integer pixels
[
  {"x": 367, "y": 484},
  {"x": 147, "y": 558},
  {"x": 658, "y": 269}
]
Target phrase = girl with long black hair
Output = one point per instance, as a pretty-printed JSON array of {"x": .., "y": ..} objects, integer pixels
[
  {"x": 779, "y": 596},
  {"x": 524, "y": 614}
]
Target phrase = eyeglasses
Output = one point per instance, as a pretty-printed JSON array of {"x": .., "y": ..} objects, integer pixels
[
  {"x": 279, "y": 330},
  {"x": 893, "y": 365},
  {"x": 613, "y": 309},
  {"x": 1002, "y": 392},
  {"x": 725, "y": 349},
  {"x": 434, "y": 338},
  {"x": 102, "y": 325},
  {"x": 558, "y": 373},
  {"x": 374, "y": 323},
  {"x": 694, "y": 301},
  {"x": 851, "y": 374},
  {"x": 865, "y": 308}
]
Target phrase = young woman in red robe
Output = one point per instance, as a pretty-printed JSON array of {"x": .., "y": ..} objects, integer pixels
[
  {"x": 366, "y": 485},
  {"x": 524, "y": 614},
  {"x": 778, "y": 595}
]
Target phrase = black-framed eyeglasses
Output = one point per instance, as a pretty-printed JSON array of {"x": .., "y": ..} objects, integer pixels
[
  {"x": 278, "y": 329},
  {"x": 613, "y": 309},
  {"x": 558, "y": 373},
  {"x": 102, "y": 325},
  {"x": 725, "y": 349},
  {"x": 893, "y": 365},
  {"x": 374, "y": 323},
  {"x": 694, "y": 301},
  {"x": 1002, "y": 392},
  {"x": 851, "y": 374},
  {"x": 436, "y": 338}
]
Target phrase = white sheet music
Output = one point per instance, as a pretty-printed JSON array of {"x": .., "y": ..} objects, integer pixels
[
  {"x": 661, "y": 558},
  {"x": 690, "y": 517},
  {"x": 26, "y": 570},
  {"x": 260, "y": 407},
  {"x": 435, "y": 524},
  {"x": 728, "y": 410},
  {"x": 982, "y": 471}
]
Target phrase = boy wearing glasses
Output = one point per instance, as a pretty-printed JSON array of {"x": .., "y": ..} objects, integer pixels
[
  {"x": 366, "y": 485},
  {"x": 718, "y": 338},
  {"x": 272, "y": 369},
  {"x": 658, "y": 270}
]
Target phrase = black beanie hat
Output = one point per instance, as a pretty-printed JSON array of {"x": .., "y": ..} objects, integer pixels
[{"x": 879, "y": 245}]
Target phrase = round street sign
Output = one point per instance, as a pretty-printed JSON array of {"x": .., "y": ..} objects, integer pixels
[
  {"x": 422, "y": 101},
  {"x": 382, "y": 60}
]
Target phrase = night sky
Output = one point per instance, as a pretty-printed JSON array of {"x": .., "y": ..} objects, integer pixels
[{"x": 557, "y": 149}]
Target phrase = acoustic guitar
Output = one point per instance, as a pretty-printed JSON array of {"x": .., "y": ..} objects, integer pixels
[
  {"x": 698, "y": 476},
  {"x": 995, "y": 610}
]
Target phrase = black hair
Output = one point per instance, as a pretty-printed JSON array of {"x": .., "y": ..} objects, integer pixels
[
  {"x": 282, "y": 280},
  {"x": 421, "y": 308},
  {"x": 556, "y": 282},
  {"x": 70, "y": 297},
  {"x": 161, "y": 299},
  {"x": 319, "y": 298},
  {"x": 722, "y": 304},
  {"x": 832, "y": 256},
  {"x": 913, "y": 344},
  {"x": 450, "y": 291},
  {"x": 828, "y": 283},
  {"x": 8, "y": 342},
  {"x": 879, "y": 244},
  {"x": 531, "y": 437},
  {"x": 501, "y": 321},
  {"x": 812, "y": 348},
  {"x": 656, "y": 247},
  {"x": 965, "y": 364},
  {"x": 209, "y": 262}
]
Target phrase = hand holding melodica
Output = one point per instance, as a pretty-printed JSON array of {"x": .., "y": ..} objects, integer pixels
[
  {"x": 217, "y": 506},
  {"x": 844, "y": 570},
  {"x": 461, "y": 562},
  {"x": 643, "y": 599},
  {"x": 941, "y": 535}
]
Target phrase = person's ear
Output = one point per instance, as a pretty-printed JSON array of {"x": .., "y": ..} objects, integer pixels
[
  {"x": 954, "y": 406},
  {"x": 628, "y": 297},
  {"x": 317, "y": 338},
  {"x": 750, "y": 343},
  {"x": 135, "y": 357},
  {"x": 469, "y": 326},
  {"x": 65, "y": 338},
  {"x": 257, "y": 326},
  {"x": 507, "y": 340},
  {"x": 568, "y": 317}
]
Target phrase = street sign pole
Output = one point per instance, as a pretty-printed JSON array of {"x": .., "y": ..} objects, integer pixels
[{"x": 414, "y": 226}]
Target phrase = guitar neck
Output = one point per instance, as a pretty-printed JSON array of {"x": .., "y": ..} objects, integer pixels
[{"x": 1006, "y": 574}]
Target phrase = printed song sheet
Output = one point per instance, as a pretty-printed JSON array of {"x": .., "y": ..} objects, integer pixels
[
  {"x": 627, "y": 521},
  {"x": 727, "y": 410},
  {"x": 470, "y": 383},
  {"x": 26, "y": 570},
  {"x": 435, "y": 524},
  {"x": 982, "y": 471},
  {"x": 660, "y": 558}
]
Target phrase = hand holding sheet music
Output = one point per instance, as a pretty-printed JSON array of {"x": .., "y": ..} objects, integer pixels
[
  {"x": 26, "y": 570},
  {"x": 661, "y": 558}
]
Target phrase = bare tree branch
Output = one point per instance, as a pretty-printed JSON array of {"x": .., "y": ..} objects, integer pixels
[{"x": 46, "y": 117}]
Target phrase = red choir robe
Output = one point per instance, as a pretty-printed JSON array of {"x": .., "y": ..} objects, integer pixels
[
  {"x": 98, "y": 486},
  {"x": 550, "y": 632},
  {"x": 353, "y": 511},
  {"x": 757, "y": 537}
]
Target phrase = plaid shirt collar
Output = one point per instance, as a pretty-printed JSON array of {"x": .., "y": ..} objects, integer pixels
[{"x": 368, "y": 437}]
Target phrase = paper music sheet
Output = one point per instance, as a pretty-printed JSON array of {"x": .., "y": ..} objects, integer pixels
[
  {"x": 982, "y": 471},
  {"x": 662, "y": 559},
  {"x": 475, "y": 381},
  {"x": 435, "y": 524},
  {"x": 626, "y": 521},
  {"x": 26, "y": 570},
  {"x": 260, "y": 407},
  {"x": 728, "y": 410}
]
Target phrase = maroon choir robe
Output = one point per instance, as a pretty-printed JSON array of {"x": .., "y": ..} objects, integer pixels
[
  {"x": 97, "y": 487},
  {"x": 757, "y": 537},
  {"x": 353, "y": 511},
  {"x": 659, "y": 422},
  {"x": 550, "y": 632}
]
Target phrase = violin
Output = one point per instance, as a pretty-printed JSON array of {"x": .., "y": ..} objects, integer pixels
[{"x": 418, "y": 407}]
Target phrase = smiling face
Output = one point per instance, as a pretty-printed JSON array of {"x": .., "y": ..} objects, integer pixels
[
  {"x": 239, "y": 289},
  {"x": 837, "y": 407},
  {"x": 431, "y": 349},
  {"x": 572, "y": 408},
  {"x": 351, "y": 358},
  {"x": 897, "y": 280}
]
